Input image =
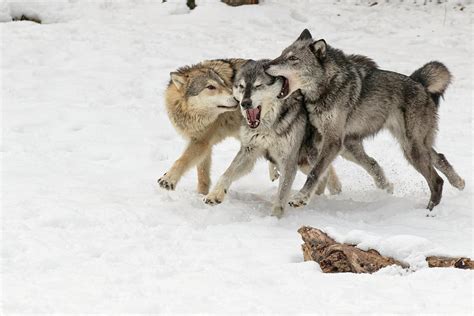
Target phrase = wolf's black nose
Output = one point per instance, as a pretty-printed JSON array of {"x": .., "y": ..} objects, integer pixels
[{"x": 246, "y": 103}]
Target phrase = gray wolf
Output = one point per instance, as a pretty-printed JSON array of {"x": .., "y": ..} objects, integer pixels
[
  {"x": 348, "y": 102},
  {"x": 274, "y": 129},
  {"x": 200, "y": 104}
]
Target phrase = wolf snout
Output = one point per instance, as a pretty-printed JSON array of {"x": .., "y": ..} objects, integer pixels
[
  {"x": 246, "y": 103},
  {"x": 271, "y": 63},
  {"x": 270, "y": 69}
]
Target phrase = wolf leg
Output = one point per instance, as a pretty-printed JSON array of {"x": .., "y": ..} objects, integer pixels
[
  {"x": 204, "y": 173},
  {"x": 273, "y": 171},
  {"x": 333, "y": 184},
  {"x": 288, "y": 174},
  {"x": 329, "y": 180},
  {"x": 330, "y": 148},
  {"x": 442, "y": 164},
  {"x": 419, "y": 156},
  {"x": 192, "y": 155},
  {"x": 354, "y": 151},
  {"x": 321, "y": 186},
  {"x": 241, "y": 165},
  {"x": 306, "y": 169}
]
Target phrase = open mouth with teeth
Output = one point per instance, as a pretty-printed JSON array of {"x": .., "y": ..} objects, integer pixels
[
  {"x": 253, "y": 116},
  {"x": 285, "y": 88}
]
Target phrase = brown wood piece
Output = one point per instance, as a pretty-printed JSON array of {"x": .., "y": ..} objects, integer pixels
[{"x": 336, "y": 257}]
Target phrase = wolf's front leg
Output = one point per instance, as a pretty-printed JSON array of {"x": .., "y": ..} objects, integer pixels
[
  {"x": 290, "y": 166},
  {"x": 329, "y": 180},
  {"x": 241, "y": 165},
  {"x": 330, "y": 148},
  {"x": 192, "y": 155},
  {"x": 273, "y": 171},
  {"x": 204, "y": 174}
]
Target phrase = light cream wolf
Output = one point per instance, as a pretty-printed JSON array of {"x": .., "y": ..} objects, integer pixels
[{"x": 202, "y": 108}]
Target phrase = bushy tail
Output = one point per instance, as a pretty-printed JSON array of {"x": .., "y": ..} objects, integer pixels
[{"x": 435, "y": 77}]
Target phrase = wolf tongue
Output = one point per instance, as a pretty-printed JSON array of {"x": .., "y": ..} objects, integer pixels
[{"x": 252, "y": 114}]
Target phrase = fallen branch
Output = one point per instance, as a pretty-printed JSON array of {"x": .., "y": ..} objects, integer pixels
[
  {"x": 235, "y": 3},
  {"x": 446, "y": 262},
  {"x": 336, "y": 257},
  {"x": 27, "y": 17}
]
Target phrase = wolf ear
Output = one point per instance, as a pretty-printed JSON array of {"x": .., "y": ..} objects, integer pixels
[
  {"x": 215, "y": 76},
  {"x": 305, "y": 35},
  {"x": 319, "y": 48},
  {"x": 178, "y": 79}
]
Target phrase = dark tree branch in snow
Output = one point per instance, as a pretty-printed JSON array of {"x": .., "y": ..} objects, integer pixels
[
  {"x": 239, "y": 2},
  {"x": 336, "y": 257},
  {"x": 27, "y": 17}
]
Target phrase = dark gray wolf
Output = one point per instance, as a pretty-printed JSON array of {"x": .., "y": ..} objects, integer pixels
[{"x": 348, "y": 101}]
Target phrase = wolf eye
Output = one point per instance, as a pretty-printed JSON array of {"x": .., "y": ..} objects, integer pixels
[
  {"x": 211, "y": 87},
  {"x": 293, "y": 58},
  {"x": 241, "y": 86},
  {"x": 258, "y": 86}
]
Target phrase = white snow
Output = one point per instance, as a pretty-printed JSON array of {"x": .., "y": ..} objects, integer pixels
[{"x": 85, "y": 136}]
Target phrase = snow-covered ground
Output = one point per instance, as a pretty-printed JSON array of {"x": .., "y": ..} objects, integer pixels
[{"x": 85, "y": 228}]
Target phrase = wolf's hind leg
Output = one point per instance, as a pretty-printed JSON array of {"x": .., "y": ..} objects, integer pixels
[
  {"x": 442, "y": 164},
  {"x": 354, "y": 151},
  {"x": 204, "y": 174},
  {"x": 333, "y": 183},
  {"x": 420, "y": 157}
]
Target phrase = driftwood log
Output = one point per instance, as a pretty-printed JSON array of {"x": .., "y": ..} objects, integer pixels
[{"x": 336, "y": 257}]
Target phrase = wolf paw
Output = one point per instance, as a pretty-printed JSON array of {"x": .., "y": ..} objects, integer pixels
[
  {"x": 277, "y": 211},
  {"x": 334, "y": 185},
  {"x": 431, "y": 205},
  {"x": 166, "y": 182},
  {"x": 388, "y": 187},
  {"x": 298, "y": 200},
  {"x": 459, "y": 184},
  {"x": 335, "y": 189},
  {"x": 215, "y": 197},
  {"x": 274, "y": 174}
]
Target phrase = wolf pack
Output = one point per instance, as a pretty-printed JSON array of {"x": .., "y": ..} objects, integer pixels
[{"x": 300, "y": 111}]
